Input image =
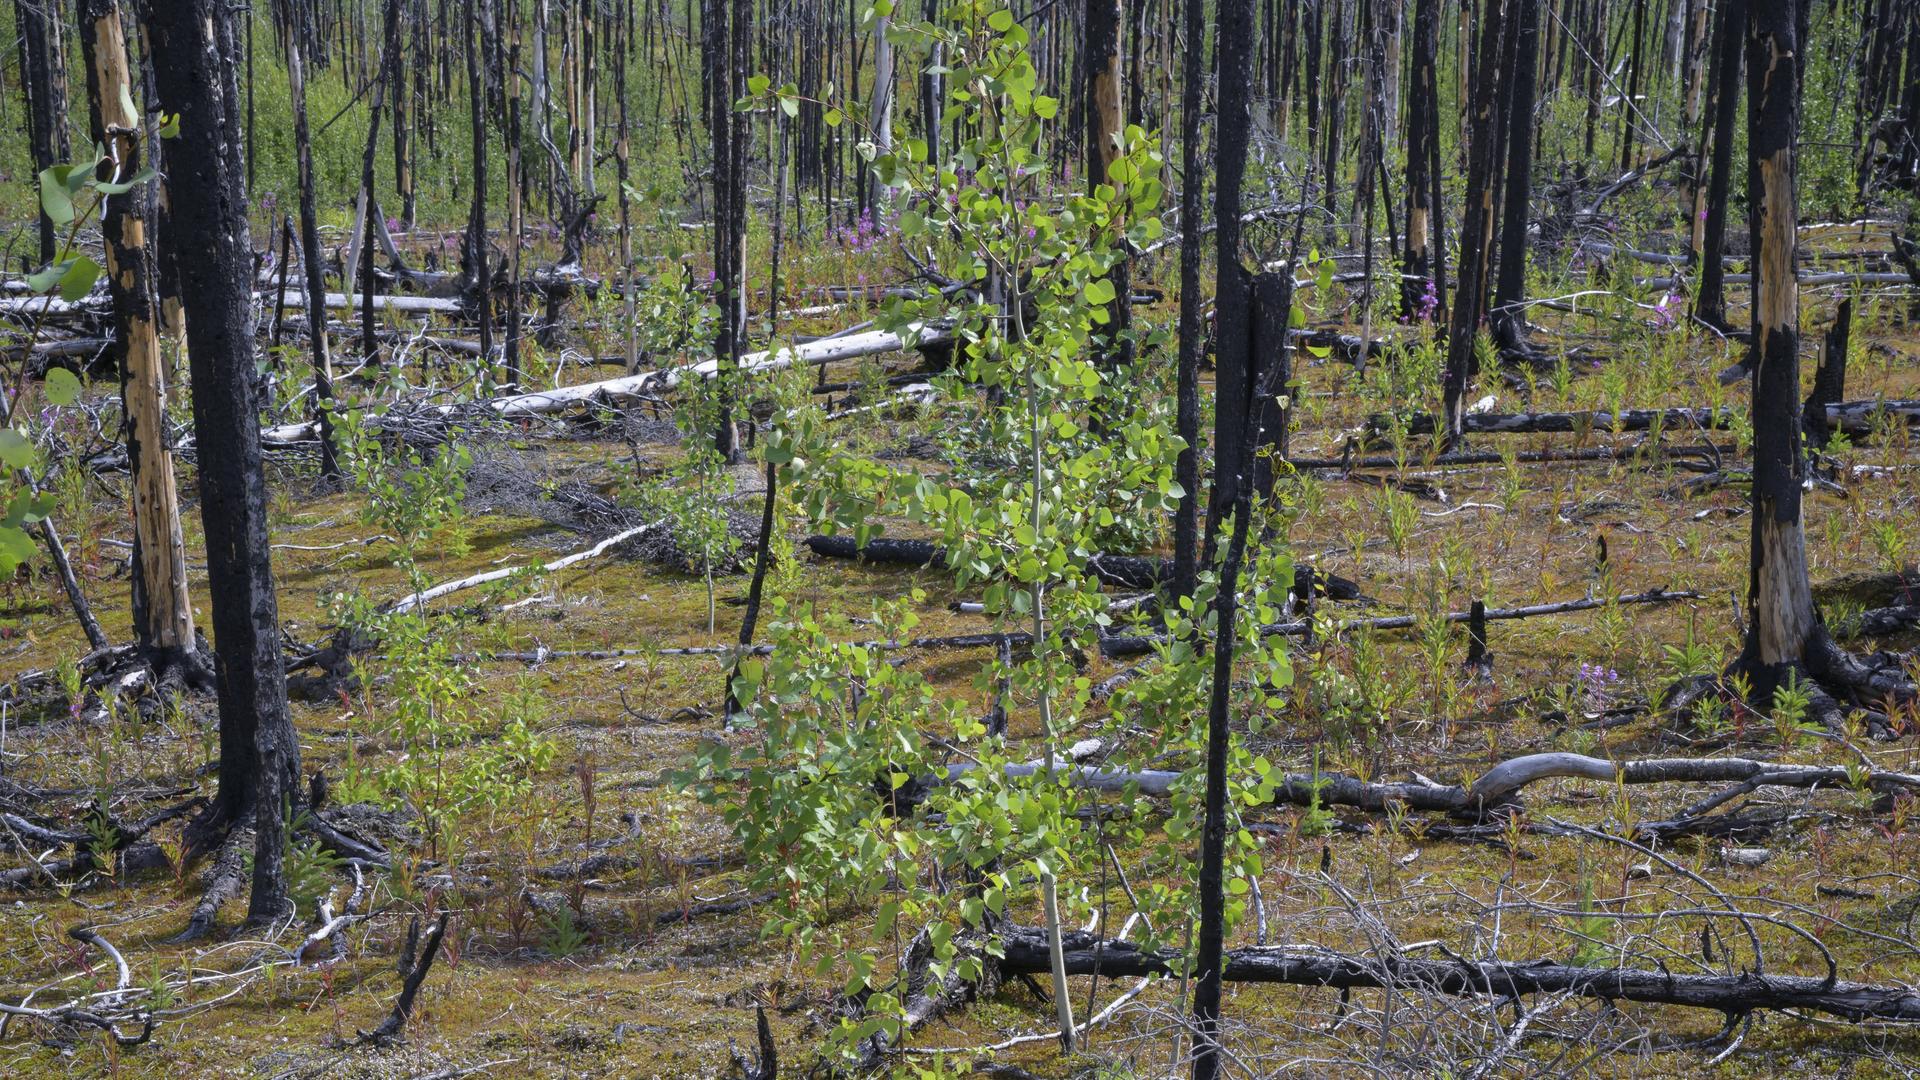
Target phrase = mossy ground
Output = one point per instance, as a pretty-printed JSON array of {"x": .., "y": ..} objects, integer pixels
[{"x": 668, "y": 1001}]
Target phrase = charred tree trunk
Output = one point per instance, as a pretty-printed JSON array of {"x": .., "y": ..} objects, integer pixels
[
  {"x": 1186, "y": 521},
  {"x": 1476, "y": 231},
  {"x": 725, "y": 38},
  {"x": 43, "y": 81},
  {"x": 1509, "y": 320},
  {"x": 314, "y": 277},
  {"x": 1104, "y": 138},
  {"x": 259, "y": 754},
  {"x": 479, "y": 259},
  {"x": 1232, "y": 494},
  {"x": 163, "y": 609},
  {"x": 370, "y": 209},
  {"x": 1422, "y": 134},
  {"x": 1710, "y": 303},
  {"x": 1782, "y": 623}
]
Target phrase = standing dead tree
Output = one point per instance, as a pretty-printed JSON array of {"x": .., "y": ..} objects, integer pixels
[
  {"x": 259, "y": 753},
  {"x": 163, "y": 608}
]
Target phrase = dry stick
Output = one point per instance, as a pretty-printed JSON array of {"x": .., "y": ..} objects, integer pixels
[
  {"x": 1746, "y": 992},
  {"x": 1495, "y": 786},
  {"x": 1855, "y": 417},
  {"x": 649, "y": 383},
  {"x": 421, "y": 598},
  {"x": 390, "y": 1028}
]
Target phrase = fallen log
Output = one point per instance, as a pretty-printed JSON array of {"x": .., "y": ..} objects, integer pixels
[
  {"x": 1498, "y": 786},
  {"x": 1118, "y": 646},
  {"x": 416, "y": 600},
  {"x": 1024, "y": 952},
  {"x": 1121, "y": 571},
  {"x": 650, "y": 383},
  {"x": 1854, "y": 417}
]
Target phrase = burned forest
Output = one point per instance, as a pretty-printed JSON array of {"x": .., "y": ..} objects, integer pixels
[{"x": 1105, "y": 539}]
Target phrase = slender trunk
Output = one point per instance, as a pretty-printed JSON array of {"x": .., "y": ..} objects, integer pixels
[
  {"x": 259, "y": 753},
  {"x": 1105, "y": 136},
  {"x": 163, "y": 615},
  {"x": 1510, "y": 293},
  {"x": 1231, "y": 496},
  {"x": 1710, "y": 303},
  {"x": 43, "y": 81},
  {"x": 1186, "y": 526},
  {"x": 370, "y": 209},
  {"x": 479, "y": 261},
  {"x": 1421, "y": 134},
  {"x": 1781, "y": 622},
  {"x": 1476, "y": 230},
  {"x": 315, "y": 275}
]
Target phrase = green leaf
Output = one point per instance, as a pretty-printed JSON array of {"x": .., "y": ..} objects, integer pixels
[
  {"x": 833, "y": 117},
  {"x": 54, "y": 200},
  {"x": 1099, "y": 291},
  {"x": 78, "y": 281},
  {"x": 16, "y": 547},
  {"x": 62, "y": 386},
  {"x": 16, "y": 452},
  {"x": 1000, "y": 21},
  {"x": 757, "y": 84},
  {"x": 44, "y": 279}
]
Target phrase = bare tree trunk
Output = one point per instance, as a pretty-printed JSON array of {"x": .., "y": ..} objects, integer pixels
[
  {"x": 259, "y": 754},
  {"x": 315, "y": 275},
  {"x": 1710, "y": 302},
  {"x": 1186, "y": 522},
  {"x": 43, "y": 80},
  {"x": 1105, "y": 134},
  {"x": 1509, "y": 323},
  {"x": 1235, "y": 365},
  {"x": 479, "y": 260},
  {"x": 163, "y": 612},
  {"x": 1422, "y": 132},
  {"x": 1476, "y": 230},
  {"x": 1782, "y": 623}
]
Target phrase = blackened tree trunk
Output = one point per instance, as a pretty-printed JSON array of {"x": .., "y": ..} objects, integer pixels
[
  {"x": 1186, "y": 521},
  {"x": 43, "y": 81},
  {"x": 1104, "y": 136},
  {"x": 1509, "y": 322},
  {"x": 1710, "y": 302},
  {"x": 163, "y": 608},
  {"x": 1476, "y": 230},
  {"x": 479, "y": 261},
  {"x": 314, "y": 277},
  {"x": 259, "y": 754},
  {"x": 369, "y": 208},
  {"x": 1782, "y": 626},
  {"x": 1422, "y": 133},
  {"x": 725, "y": 36},
  {"x": 1231, "y": 496}
]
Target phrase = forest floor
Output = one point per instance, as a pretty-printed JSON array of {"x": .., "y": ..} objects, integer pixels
[{"x": 622, "y": 994}]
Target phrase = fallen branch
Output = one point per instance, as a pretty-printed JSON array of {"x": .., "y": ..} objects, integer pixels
[
  {"x": 419, "y": 599},
  {"x": 1025, "y": 952},
  {"x": 651, "y": 383},
  {"x": 415, "y": 974},
  {"x": 1855, "y": 417}
]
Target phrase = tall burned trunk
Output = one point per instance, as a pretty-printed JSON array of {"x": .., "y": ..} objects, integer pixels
[
  {"x": 725, "y": 33},
  {"x": 1509, "y": 322},
  {"x": 1476, "y": 230},
  {"x": 1422, "y": 123},
  {"x": 1105, "y": 135},
  {"x": 1710, "y": 302},
  {"x": 163, "y": 609},
  {"x": 43, "y": 81},
  {"x": 1782, "y": 624},
  {"x": 1231, "y": 497},
  {"x": 369, "y": 208},
  {"x": 479, "y": 261},
  {"x": 1186, "y": 521},
  {"x": 259, "y": 754},
  {"x": 314, "y": 279}
]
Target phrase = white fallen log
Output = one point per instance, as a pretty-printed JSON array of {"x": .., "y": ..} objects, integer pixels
[
  {"x": 424, "y": 596},
  {"x": 649, "y": 383}
]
